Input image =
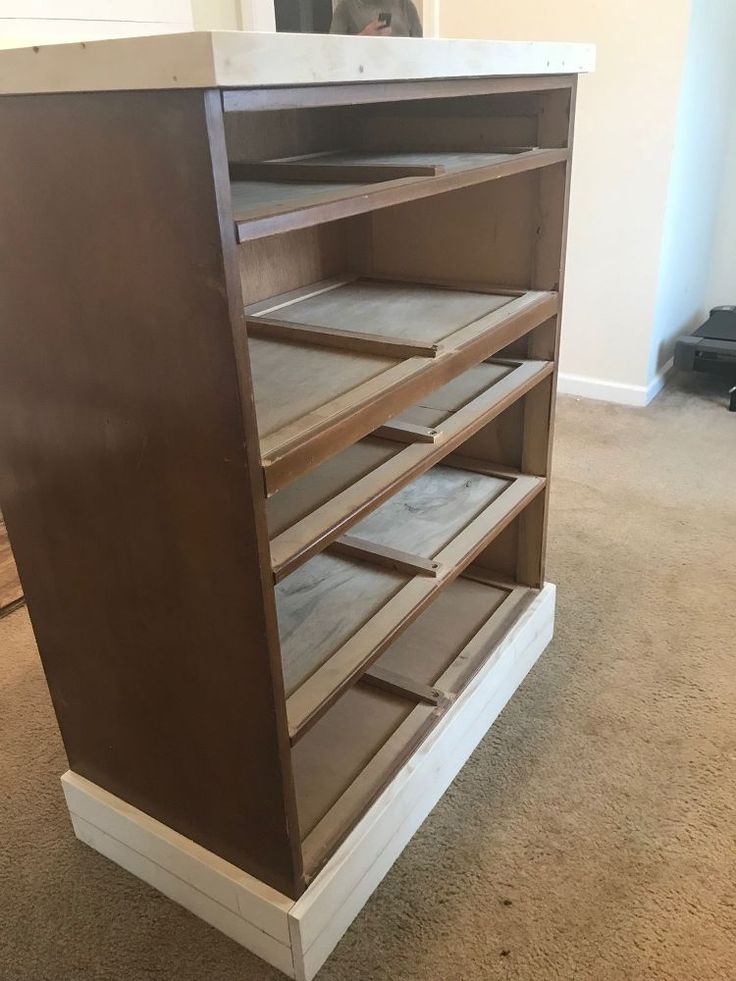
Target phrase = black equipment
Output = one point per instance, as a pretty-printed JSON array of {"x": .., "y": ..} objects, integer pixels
[{"x": 712, "y": 348}]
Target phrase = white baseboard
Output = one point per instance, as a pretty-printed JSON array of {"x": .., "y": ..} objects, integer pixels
[
  {"x": 608, "y": 391},
  {"x": 298, "y": 936}
]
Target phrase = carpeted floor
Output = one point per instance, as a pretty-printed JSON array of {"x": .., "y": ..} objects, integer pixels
[{"x": 592, "y": 836}]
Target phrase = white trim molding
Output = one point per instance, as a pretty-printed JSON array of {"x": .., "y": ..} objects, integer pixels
[
  {"x": 298, "y": 936},
  {"x": 257, "y": 15},
  {"x": 431, "y": 18},
  {"x": 609, "y": 391}
]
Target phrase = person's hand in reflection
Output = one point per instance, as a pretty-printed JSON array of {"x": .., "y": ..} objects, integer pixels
[{"x": 377, "y": 28}]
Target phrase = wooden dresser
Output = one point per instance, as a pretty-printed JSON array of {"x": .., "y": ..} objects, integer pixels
[{"x": 280, "y": 339}]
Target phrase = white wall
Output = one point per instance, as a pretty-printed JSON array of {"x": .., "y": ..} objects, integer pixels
[
  {"x": 234, "y": 15},
  {"x": 722, "y": 281},
  {"x": 26, "y": 22},
  {"x": 626, "y": 123},
  {"x": 216, "y": 15},
  {"x": 698, "y": 244}
]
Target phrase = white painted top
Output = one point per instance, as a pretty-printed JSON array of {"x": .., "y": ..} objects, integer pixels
[{"x": 204, "y": 59}]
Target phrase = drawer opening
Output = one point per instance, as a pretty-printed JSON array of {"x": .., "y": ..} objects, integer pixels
[
  {"x": 347, "y": 758},
  {"x": 292, "y": 169},
  {"x": 336, "y": 360},
  {"x": 308, "y": 514},
  {"x": 340, "y": 611}
]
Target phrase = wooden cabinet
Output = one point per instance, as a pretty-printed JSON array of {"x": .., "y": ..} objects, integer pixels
[{"x": 279, "y": 383}]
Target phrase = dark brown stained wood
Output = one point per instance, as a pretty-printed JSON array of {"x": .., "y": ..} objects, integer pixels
[
  {"x": 269, "y": 266},
  {"x": 294, "y": 381},
  {"x": 284, "y": 170},
  {"x": 320, "y": 486},
  {"x": 337, "y": 749},
  {"x": 126, "y": 482},
  {"x": 344, "y": 340},
  {"x": 488, "y": 235},
  {"x": 449, "y": 284},
  {"x": 501, "y": 557},
  {"x": 254, "y": 200},
  {"x": 388, "y": 130},
  {"x": 400, "y": 684},
  {"x": 541, "y": 341},
  {"x": 385, "y": 555},
  {"x": 399, "y": 311},
  {"x": 544, "y": 341},
  {"x": 504, "y": 441},
  {"x": 500, "y": 440},
  {"x": 471, "y": 122},
  {"x": 235, "y": 300},
  {"x": 284, "y": 133},
  {"x": 556, "y": 128},
  {"x": 535, "y": 450},
  {"x": 369, "y": 782},
  {"x": 406, "y": 432},
  {"x": 11, "y": 591},
  {"x": 437, "y": 408},
  {"x": 434, "y": 640},
  {"x": 555, "y": 109},
  {"x": 468, "y": 108},
  {"x": 370, "y": 166},
  {"x": 241, "y": 100},
  {"x": 272, "y": 304},
  {"x": 489, "y": 578},
  {"x": 459, "y": 462},
  {"x": 482, "y": 646}
]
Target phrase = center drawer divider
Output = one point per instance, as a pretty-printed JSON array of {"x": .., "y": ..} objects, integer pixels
[
  {"x": 337, "y": 614},
  {"x": 353, "y": 352},
  {"x": 340, "y": 493}
]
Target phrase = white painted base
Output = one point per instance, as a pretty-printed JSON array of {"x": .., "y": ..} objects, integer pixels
[
  {"x": 298, "y": 937},
  {"x": 609, "y": 391}
]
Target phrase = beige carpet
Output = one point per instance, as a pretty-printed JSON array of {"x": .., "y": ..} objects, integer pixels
[{"x": 591, "y": 836}]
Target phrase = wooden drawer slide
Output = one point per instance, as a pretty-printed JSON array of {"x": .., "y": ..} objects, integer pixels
[{"x": 335, "y": 361}]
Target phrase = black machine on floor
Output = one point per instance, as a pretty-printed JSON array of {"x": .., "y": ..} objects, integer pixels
[{"x": 712, "y": 347}]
